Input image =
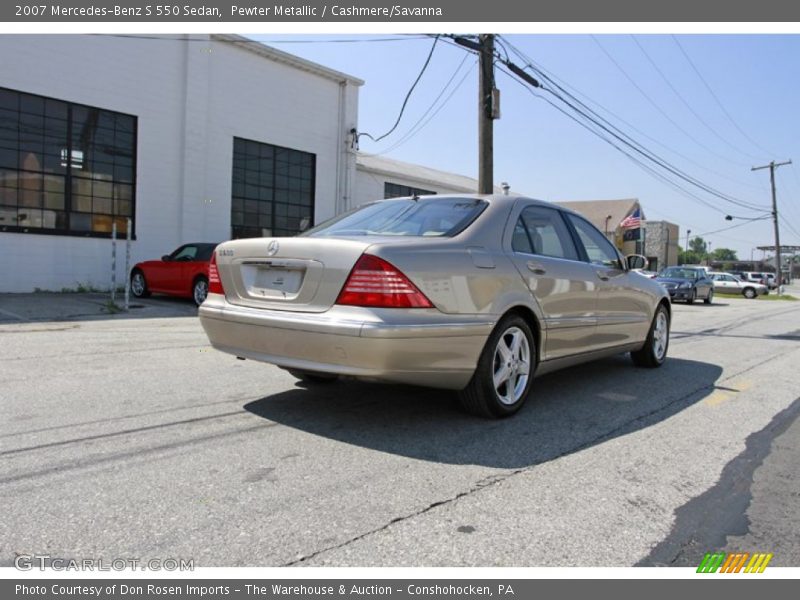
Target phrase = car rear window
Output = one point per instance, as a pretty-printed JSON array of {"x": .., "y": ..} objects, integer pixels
[{"x": 430, "y": 217}]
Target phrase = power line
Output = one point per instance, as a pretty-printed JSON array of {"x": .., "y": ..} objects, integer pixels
[
  {"x": 408, "y": 95},
  {"x": 562, "y": 85},
  {"x": 789, "y": 226},
  {"x": 747, "y": 222},
  {"x": 603, "y": 123},
  {"x": 610, "y": 142},
  {"x": 656, "y": 105},
  {"x": 639, "y": 148},
  {"x": 420, "y": 125},
  {"x": 713, "y": 95},
  {"x": 685, "y": 103}
]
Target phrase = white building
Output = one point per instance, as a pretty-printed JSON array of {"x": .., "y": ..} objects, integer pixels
[
  {"x": 195, "y": 138},
  {"x": 382, "y": 177}
]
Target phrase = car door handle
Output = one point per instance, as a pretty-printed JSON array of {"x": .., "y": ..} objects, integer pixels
[
  {"x": 536, "y": 268},
  {"x": 602, "y": 276}
]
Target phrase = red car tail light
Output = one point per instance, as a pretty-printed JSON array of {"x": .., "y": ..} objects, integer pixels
[
  {"x": 377, "y": 283},
  {"x": 214, "y": 283}
]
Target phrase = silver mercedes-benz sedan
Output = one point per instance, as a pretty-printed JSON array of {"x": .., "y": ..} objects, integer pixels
[{"x": 469, "y": 293}]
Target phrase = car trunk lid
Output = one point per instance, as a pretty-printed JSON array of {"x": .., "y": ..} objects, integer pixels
[{"x": 301, "y": 274}]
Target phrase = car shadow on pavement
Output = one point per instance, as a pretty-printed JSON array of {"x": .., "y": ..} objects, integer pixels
[{"x": 568, "y": 411}]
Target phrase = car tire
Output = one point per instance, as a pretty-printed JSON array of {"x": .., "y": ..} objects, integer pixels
[
  {"x": 654, "y": 352},
  {"x": 710, "y": 298},
  {"x": 313, "y": 376},
  {"x": 749, "y": 293},
  {"x": 139, "y": 284},
  {"x": 199, "y": 290},
  {"x": 502, "y": 380},
  {"x": 692, "y": 297}
]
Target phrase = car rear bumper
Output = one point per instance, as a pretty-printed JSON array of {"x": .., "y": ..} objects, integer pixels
[{"x": 419, "y": 346}]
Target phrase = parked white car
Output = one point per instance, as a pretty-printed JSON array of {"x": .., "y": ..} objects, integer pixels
[{"x": 729, "y": 284}]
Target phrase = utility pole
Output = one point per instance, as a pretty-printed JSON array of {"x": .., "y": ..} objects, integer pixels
[
  {"x": 486, "y": 115},
  {"x": 772, "y": 166}
]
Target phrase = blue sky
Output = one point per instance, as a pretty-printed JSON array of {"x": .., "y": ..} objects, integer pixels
[{"x": 544, "y": 154}]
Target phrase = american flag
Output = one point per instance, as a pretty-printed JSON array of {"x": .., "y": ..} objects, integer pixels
[{"x": 632, "y": 220}]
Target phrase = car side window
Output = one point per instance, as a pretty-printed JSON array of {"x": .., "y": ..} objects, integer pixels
[
  {"x": 187, "y": 252},
  {"x": 540, "y": 230},
  {"x": 598, "y": 248}
]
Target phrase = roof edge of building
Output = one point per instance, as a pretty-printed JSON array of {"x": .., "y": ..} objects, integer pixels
[{"x": 280, "y": 56}]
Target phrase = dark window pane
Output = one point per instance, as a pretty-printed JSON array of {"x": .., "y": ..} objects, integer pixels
[
  {"x": 82, "y": 203},
  {"x": 9, "y": 100},
  {"x": 102, "y": 189},
  {"x": 29, "y": 217},
  {"x": 260, "y": 178},
  {"x": 31, "y": 104},
  {"x": 123, "y": 208},
  {"x": 36, "y": 155},
  {"x": 8, "y": 157},
  {"x": 101, "y": 223},
  {"x": 80, "y": 222},
  {"x": 55, "y": 108},
  {"x": 101, "y": 205},
  {"x": 8, "y": 215},
  {"x": 8, "y": 196},
  {"x": 123, "y": 192},
  {"x": 54, "y": 200}
]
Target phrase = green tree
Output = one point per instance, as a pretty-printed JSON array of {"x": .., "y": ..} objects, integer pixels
[
  {"x": 698, "y": 246},
  {"x": 687, "y": 258},
  {"x": 722, "y": 254}
]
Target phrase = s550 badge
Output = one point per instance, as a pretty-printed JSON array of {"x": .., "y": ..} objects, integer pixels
[{"x": 225, "y": 252}]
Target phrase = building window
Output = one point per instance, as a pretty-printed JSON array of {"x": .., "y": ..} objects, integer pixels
[
  {"x": 65, "y": 168},
  {"x": 395, "y": 190},
  {"x": 273, "y": 190}
]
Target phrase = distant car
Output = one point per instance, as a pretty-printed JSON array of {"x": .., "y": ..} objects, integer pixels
[
  {"x": 726, "y": 282},
  {"x": 183, "y": 273},
  {"x": 754, "y": 276},
  {"x": 687, "y": 283},
  {"x": 770, "y": 281},
  {"x": 464, "y": 292}
]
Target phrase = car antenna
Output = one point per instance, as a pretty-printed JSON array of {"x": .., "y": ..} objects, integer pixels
[{"x": 415, "y": 197}]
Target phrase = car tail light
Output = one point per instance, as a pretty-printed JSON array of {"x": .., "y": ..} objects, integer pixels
[
  {"x": 214, "y": 283},
  {"x": 376, "y": 282}
]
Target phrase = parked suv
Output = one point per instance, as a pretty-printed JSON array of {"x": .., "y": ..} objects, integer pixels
[
  {"x": 770, "y": 281},
  {"x": 754, "y": 276}
]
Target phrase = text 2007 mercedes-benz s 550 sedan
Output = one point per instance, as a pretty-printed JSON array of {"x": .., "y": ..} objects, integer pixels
[{"x": 469, "y": 293}]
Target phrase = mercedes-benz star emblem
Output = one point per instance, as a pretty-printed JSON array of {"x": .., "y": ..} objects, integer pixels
[{"x": 272, "y": 248}]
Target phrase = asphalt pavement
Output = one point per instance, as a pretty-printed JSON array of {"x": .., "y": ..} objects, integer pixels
[{"x": 126, "y": 435}]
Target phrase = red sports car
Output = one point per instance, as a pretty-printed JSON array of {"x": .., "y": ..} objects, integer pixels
[{"x": 184, "y": 273}]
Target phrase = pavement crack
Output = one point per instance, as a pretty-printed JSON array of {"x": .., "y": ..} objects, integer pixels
[{"x": 479, "y": 485}]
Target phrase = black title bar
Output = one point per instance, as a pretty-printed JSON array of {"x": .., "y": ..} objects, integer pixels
[{"x": 463, "y": 11}]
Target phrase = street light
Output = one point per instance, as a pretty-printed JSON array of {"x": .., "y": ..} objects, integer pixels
[{"x": 688, "y": 231}]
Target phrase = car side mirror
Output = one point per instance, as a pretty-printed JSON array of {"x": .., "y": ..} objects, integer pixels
[
  {"x": 166, "y": 258},
  {"x": 636, "y": 261}
]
